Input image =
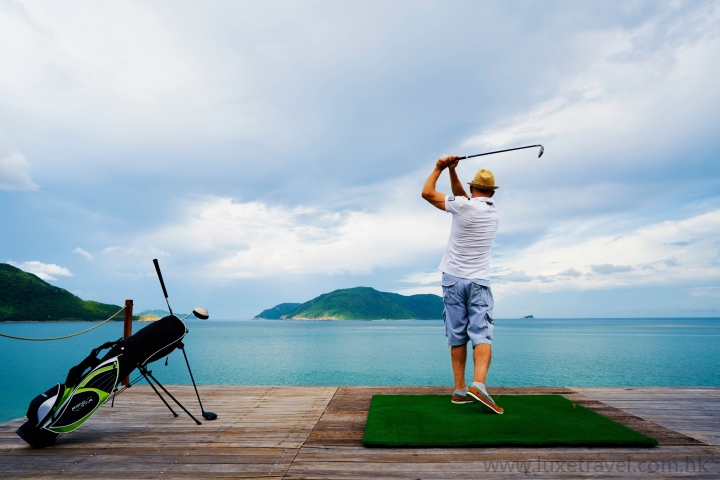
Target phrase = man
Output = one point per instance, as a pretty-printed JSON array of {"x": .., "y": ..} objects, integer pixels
[{"x": 466, "y": 276}]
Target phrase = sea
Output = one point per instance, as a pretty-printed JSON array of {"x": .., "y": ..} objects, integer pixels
[{"x": 550, "y": 352}]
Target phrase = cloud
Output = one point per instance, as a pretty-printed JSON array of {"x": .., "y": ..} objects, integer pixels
[
  {"x": 135, "y": 252},
  {"x": 437, "y": 290},
  {"x": 671, "y": 262},
  {"x": 609, "y": 268},
  {"x": 228, "y": 239},
  {"x": 423, "y": 278},
  {"x": 683, "y": 243},
  {"x": 615, "y": 251},
  {"x": 520, "y": 276},
  {"x": 570, "y": 272},
  {"x": 712, "y": 292},
  {"x": 46, "y": 271},
  {"x": 617, "y": 89},
  {"x": 280, "y": 114},
  {"x": 15, "y": 172},
  {"x": 14, "y": 167},
  {"x": 84, "y": 253}
]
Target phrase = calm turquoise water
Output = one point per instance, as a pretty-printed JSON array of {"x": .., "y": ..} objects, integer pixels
[{"x": 579, "y": 352}]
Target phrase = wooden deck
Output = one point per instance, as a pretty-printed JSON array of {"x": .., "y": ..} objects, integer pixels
[{"x": 316, "y": 432}]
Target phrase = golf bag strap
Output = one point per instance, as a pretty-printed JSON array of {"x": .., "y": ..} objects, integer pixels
[{"x": 91, "y": 361}]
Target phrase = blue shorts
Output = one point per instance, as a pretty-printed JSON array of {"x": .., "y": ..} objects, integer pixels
[{"x": 468, "y": 310}]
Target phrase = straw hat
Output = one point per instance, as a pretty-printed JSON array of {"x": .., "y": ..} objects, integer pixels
[{"x": 484, "y": 180}]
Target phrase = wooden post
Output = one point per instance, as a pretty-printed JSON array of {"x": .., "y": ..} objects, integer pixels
[{"x": 127, "y": 328}]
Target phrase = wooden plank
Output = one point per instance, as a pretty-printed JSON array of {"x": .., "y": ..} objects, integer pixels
[
  {"x": 316, "y": 432},
  {"x": 334, "y": 448},
  {"x": 258, "y": 433},
  {"x": 694, "y": 412},
  {"x": 663, "y": 435}
]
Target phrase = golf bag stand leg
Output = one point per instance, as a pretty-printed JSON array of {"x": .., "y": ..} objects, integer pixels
[
  {"x": 145, "y": 374},
  {"x": 149, "y": 374},
  {"x": 206, "y": 415}
]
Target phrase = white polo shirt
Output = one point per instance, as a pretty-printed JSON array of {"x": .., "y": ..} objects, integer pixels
[{"x": 474, "y": 224}]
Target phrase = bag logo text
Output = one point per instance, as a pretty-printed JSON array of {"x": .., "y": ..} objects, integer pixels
[{"x": 82, "y": 404}]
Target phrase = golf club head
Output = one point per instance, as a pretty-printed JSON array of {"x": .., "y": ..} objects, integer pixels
[
  {"x": 542, "y": 150},
  {"x": 209, "y": 415},
  {"x": 201, "y": 313}
]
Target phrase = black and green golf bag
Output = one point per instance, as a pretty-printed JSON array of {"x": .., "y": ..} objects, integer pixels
[{"x": 66, "y": 406}]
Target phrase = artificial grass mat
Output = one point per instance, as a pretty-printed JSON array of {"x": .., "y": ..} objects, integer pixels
[{"x": 528, "y": 421}]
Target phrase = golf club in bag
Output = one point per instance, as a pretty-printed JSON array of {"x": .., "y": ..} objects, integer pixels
[{"x": 67, "y": 406}]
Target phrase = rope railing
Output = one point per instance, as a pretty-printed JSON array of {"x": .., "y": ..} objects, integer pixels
[{"x": 64, "y": 336}]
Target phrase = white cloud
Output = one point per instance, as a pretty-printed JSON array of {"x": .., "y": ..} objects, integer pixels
[
  {"x": 609, "y": 268},
  {"x": 653, "y": 254},
  {"x": 570, "y": 272},
  {"x": 14, "y": 167},
  {"x": 83, "y": 51},
  {"x": 520, "y": 276},
  {"x": 423, "y": 278},
  {"x": 135, "y": 252},
  {"x": 221, "y": 239},
  {"x": 420, "y": 291},
  {"x": 15, "y": 172},
  {"x": 84, "y": 253},
  {"x": 712, "y": 292},
  {"x": 228, "y": 239},
  {"x": 46, "y": 271},
  {"x": 618, "y": 91},
  {"x": 311, "y": 94}
]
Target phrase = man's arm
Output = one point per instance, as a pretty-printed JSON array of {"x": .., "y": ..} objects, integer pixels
[
  {"x": 429, "y": 193},
  {"x": 455, "y": 184}
]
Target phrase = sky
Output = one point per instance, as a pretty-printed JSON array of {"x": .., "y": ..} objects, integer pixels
[{"x": 269, "y": 152}]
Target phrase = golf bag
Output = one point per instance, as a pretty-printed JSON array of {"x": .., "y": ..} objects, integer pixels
[{"x": 66, "y": 406}]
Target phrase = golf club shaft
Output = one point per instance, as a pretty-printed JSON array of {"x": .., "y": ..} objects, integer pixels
[
  {"x": 193, "y": 380},
  {"x": 162, "y": 284},
  {"x": 498, "y": 151}
]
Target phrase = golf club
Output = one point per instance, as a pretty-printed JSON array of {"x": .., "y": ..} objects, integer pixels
[
  {"x": 200, "y": 313},
  {"x": 542, "y": 150},
  {"x": 162, "y": 284},
  {"x": 206, "y": 415}
]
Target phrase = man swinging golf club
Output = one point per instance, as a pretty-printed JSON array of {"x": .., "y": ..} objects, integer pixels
[{"x": 466, "y": 276}]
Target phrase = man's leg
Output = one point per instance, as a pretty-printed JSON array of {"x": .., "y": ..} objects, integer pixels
[
  {"x": 480, "y": 329},
  {"x": 482, "y": 354},
  {"x": 456, "y": 321},
  {"x": 458, "y": 355}
]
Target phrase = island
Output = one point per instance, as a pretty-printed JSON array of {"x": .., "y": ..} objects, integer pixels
[
  {"x": 25, "y": 297},
  {"x": 528, "y": 316},
  {"x": 152, "y": 315},
  {"x": 360, "y": 303},
  {"x": 277, "y": 311}
]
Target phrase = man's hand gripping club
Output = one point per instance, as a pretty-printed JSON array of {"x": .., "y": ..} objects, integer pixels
[{"x": 429, "y": 192}]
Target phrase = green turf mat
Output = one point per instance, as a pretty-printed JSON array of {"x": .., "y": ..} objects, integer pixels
[{"x": 529, "y": 420}]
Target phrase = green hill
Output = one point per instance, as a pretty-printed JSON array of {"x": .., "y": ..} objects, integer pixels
[
  {"x": 277, "y": 311},
  {"x": 23, "y": 296},
  {"x": 364, "y": 303}
]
